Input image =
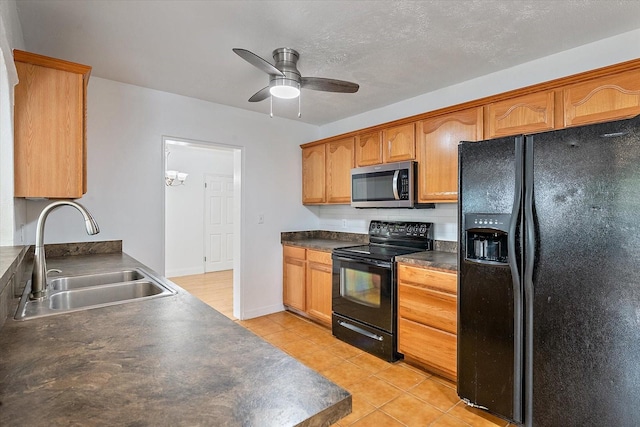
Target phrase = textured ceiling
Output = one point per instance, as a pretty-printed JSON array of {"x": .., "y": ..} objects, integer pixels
[{"x": 394, "y": 50}]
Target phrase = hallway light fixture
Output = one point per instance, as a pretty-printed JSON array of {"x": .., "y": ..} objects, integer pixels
[{"x": 174, "y": 178}]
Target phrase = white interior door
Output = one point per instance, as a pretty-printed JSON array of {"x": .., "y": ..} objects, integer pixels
[{"x": 218, "y": 227}]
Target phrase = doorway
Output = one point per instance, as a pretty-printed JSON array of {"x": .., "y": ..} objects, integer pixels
[{"x": 202, "y": 195}]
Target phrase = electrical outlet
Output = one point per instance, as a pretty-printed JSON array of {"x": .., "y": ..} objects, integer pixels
[
  {"x": 261, "y": 218},
  {"x": 344, "y": 223}
]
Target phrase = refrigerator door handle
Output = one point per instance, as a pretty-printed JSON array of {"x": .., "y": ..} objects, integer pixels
[
  {"x": 529, "y": 260},
  {"x": 517, "y": 287}
]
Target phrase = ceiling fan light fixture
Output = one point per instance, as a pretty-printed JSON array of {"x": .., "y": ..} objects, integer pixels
[{"x": 284, "y": 88}]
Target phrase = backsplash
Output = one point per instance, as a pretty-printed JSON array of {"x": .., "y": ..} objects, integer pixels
[{"x": 344, "y": 218}]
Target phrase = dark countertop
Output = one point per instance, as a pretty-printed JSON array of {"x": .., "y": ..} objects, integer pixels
[
  {"x": 438, "y": 260},
  {"x": 327, "y": 241},
  {"x": 319, "y": 244},
  {"x": 165, "y": 361},
  {"x": 322, "y": 240}
]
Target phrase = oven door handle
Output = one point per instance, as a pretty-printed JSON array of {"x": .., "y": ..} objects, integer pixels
[
  {"x": 373, "y": 262},
  {"x": 361, "y": 331}
]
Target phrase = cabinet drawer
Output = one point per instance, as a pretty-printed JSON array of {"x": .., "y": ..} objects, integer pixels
[
  {"x": 429, "y": 346},
  {"x": 432, "y": 308},
  {"x": 319, "y": 257},
  {"x": 294, "y": 252},
  {"x": 428, "y": 278}
]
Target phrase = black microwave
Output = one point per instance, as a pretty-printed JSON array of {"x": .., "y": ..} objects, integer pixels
[{"x": 390, "y": 185}]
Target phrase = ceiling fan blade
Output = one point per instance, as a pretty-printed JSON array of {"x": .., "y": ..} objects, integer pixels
[
  {"x": 329, "y": 85},
  {"x": 260, "y": 95},
  {"x": 258, "y": 62}
]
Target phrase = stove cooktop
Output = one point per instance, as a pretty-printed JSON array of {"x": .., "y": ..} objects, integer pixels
[{"x": 377, "y": 251}]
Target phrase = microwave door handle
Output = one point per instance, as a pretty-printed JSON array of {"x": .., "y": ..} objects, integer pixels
[{"x": 396, "y": 174}]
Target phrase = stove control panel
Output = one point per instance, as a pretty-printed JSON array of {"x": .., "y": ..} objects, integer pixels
[{"x": 400, "y": 229}]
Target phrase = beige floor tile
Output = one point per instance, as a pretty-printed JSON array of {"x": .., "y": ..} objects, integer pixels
[
  {"x": 287, "y": 319},
  {"x": 308, "y": 330},
  {"x": 266, "y": 328},
  {"x": 346, "y": 374},
  {"x": 369, "y": 362},
  {"x": 282, "y": 337},
  {"x": 323, "y": 338},
  {"x": 375, "y": 391},
  {"x": 320, "y": 360},
  {"x": 476, "y": 417},
  {"x": 411, "y": 411},
  {"x": 359, "y": 408},
  {"x": 377, "y": 419},
  {"x": 344, "y": 350},
  {"x": 436, "y": 394},
  {"x": 449, "y": 421},
  {"x": 300, "y": 347},
  {"x": 401, "y": 376}
]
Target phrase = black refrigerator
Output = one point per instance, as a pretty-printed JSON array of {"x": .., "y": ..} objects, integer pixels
[{"x": 549, "y": 276}]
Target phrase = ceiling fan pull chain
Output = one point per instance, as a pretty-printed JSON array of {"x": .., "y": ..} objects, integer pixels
[
  {"x": 271, "y": 107},
  {"x": 299, "y": 96}
]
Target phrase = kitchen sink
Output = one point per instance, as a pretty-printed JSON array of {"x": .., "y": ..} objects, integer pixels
[
  {"x": 75, "y": 293},
  {"x": 74, "y": 282}
]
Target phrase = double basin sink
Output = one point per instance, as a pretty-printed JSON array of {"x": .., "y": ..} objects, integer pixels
[{"x": 75, "y": 293}]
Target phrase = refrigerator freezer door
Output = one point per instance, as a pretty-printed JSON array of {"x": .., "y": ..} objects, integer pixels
[
  {"x": 586, "y": 286},
  {"x": 488, "y": 365}
]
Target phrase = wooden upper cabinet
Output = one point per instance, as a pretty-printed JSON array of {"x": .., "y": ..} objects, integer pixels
[
  {"x": 313, "y": 173},
  {"x": 369, "y": 149},
  {"x": 438, "y": 140},
  {"x": 602, "y": 99},
  {"x": 50, "y": 127},
  {"x": 399, "y": 143},
  {"x": 340, "y": 161},
  {"x": 524, "y": 114}
]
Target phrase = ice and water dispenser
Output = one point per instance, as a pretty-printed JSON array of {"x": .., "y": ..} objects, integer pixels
[{"x": 486, "y": 236}]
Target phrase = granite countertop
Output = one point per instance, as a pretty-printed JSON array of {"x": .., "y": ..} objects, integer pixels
[
  {"x": 327, "y": 241},
  {"x": 438, "y": 260},
  {"x": 8, "y": 257},
  {"x": 164, "y": 361},
  {"x": 322, "y": 240}
]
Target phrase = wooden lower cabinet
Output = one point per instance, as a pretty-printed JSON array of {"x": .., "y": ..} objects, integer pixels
[
  {"x": 427, "y": 318},
  {"x": 307, "y": 282},
  {"x": 294, "y": 277},
  {"x": 319, "y": 270}
]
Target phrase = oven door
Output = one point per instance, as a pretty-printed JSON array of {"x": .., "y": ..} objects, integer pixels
[{"x": 363, "y": 290}]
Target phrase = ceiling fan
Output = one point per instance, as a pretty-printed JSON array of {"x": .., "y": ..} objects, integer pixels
[{"x": 285, "y": 81}]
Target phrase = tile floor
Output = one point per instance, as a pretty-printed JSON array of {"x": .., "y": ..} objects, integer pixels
[{"x": 384, "y": 394}]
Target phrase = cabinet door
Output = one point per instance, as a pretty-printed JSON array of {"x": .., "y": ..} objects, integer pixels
[
  {"x": 524, "y": 114},
  {"x": 599, "y": 100},
  {"x": 313, "y": 173},
  {"x": 319, "y": 282},
  {"x": 369, "y": 149},
  {"x": 438, "y": 140},
  {"x": 399, "y": 143},
  {"x": 340, "y": 161},
  {"x": 433, "y": 347},
  {"x": 294, "y": 277},
  {"x": 49, "y": 148}
]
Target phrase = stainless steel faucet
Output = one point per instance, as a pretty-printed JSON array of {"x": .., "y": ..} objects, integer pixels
[{"x": 39, "y": 275}]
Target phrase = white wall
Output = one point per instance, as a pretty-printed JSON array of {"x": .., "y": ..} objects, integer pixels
[
  {"x": 126, "y": 179},
  {"x": 605, "y": 52},
  {"x": 12, "y": 211},
  {"x": 444, "y": 217},
  {"x": 184, "y": 206}
]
